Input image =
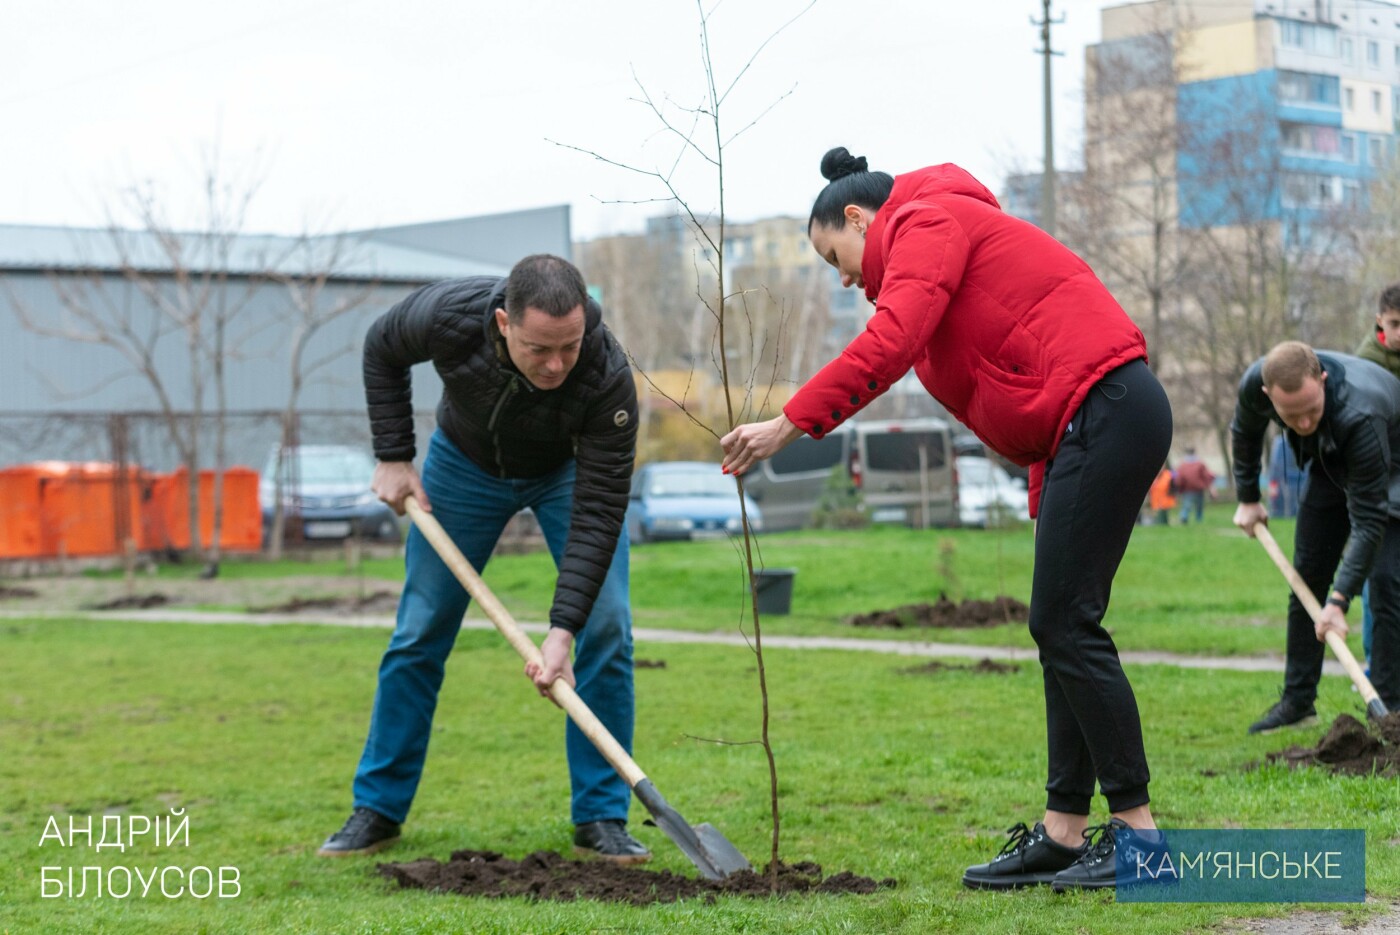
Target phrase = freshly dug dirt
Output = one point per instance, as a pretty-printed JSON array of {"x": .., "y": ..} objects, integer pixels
[
  {"x": 649, "y": 663},
  {"x": 133, "y": 602},
  {"x": 1351, "y": 748},
  {"x": 981, "y": 667},
  {"x": 944, "y": 613},
  {"x": 378, "y": 601},
  {"x": 545, "y": 875},
  {"x": 17, "y": 592}
]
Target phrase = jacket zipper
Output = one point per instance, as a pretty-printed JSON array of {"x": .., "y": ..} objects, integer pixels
[{"x": 512, "y": 387}]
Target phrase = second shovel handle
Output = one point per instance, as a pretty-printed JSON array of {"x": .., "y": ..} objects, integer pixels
[
  {"x": 561, "y": 691},
  {"x": 1314, "y": 609}
]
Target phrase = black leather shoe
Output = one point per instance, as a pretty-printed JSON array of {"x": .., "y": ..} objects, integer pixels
[
  {"x": 609, "y": 840},
  {"x": 1098, "y": 868},
  {"x": 365, "y": 832},
  {"x": 1287, "y": 713},
  {"x": 1030, "y": 857}
]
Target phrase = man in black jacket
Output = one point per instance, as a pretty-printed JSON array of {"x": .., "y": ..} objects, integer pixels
[
  {"x": 538, "y": 410},
  {"x": 1341, "y": 416}
]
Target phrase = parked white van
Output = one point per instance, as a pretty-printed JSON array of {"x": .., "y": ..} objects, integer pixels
[{"x": 904, "y": 469}]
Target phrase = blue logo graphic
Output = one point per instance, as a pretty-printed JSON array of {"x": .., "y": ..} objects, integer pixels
[{"x": 1241, "y": 866}]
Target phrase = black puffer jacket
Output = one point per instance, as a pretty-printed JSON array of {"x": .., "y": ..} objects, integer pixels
[
  {"x": 1357, "y": 445},
  {"x": 507, "y": 426}
]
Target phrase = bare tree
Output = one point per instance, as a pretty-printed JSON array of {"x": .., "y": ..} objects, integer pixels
[
  {"x": 165, "y": 283},
  {"x": 647, "y": 302},
  {"x": 1189, "y": 209},
  {"x": 306, "y": 271},
  {"x": 197, "y": 298},
  {"x": 1269, "y": 263},
  {"x": 1371, "y": 228},
  {"x": 701, "y": 132},
  {"x": 1123, "y": 211}
]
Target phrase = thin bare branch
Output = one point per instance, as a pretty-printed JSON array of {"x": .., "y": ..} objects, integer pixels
[{"x": 758, "y": 51}]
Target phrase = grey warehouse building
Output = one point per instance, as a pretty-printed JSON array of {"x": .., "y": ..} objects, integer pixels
[{"x": 87, "y": 314}]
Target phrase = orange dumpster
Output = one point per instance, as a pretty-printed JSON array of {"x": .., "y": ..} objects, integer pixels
[
  {"x": 167, "y": 524},
  {"x": 21, "y": 523},
  {"x": 82, "y": 508},
  {"x": 59, "y": 509}
]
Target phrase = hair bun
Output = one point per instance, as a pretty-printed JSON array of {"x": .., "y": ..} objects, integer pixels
[{"x": 839, "y": 163}]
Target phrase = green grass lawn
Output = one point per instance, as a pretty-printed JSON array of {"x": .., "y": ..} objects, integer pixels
[
  {"x": 1200, "y": 589},
  {"x": 255, "y": 731}
]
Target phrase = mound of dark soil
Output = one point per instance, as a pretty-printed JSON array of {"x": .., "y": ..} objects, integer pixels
[
  {"x": 1350, "y": 748},
  {"x": 17, "y": 592},
  {"x": 133, "y": 602},
  {"x": 981, "y": 667},
  {"x": 545, "y": 875},
  {"x": 378, "y": 601},
  {"x": 944, "y": 613},
  {"x": 649, "y": 663}
]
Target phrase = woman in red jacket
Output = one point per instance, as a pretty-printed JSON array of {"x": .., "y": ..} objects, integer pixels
[{"x": 1019, "y": 340}]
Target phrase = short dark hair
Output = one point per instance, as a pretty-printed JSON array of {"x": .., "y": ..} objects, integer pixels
[
  {"x": 1390, "y": 298},
  {"x": 849, "y": 182},
  {"x": 1289, "y": 364},
  {"x": 549, "y": 283}
]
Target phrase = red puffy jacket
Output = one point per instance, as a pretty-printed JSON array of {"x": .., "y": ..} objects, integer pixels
[{"x": 1004, "y": 326}]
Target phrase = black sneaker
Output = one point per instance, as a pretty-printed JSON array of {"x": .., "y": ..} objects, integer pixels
[
  {"x": 365, "y": 832},
  {"x": 609, "y": 840},
  {"x": 1029, "y": 858},
  {"x": 1287, "y": 713},
  {"x": 1098, "y": 868}
]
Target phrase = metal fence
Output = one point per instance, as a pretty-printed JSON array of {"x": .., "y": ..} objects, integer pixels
[{"x": 148, "y": 439}]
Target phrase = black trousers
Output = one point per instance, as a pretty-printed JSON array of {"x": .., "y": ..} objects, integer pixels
[
  {"x": 1094, "y": 487},
  {"x": 1318, "y": 542}
]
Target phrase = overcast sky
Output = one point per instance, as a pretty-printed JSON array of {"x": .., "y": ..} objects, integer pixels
[{"x": 363, "y": 113}]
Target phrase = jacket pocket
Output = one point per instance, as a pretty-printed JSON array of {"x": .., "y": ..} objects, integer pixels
[{"x": 1008, "y": 407}]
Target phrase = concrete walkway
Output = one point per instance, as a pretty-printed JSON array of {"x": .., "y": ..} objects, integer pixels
[{"x": 714, "y": 638}]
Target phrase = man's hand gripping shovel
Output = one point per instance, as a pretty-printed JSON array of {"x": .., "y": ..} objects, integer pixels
[
  {"x": 713, "y": 855},
  {"x": 1375, "y": 708}
]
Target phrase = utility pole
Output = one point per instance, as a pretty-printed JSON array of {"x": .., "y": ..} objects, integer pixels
[{"x": 1047, "y": 180}]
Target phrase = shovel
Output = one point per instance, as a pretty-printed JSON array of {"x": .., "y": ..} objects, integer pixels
[
  {"x": 709, "y": 850},
  {"x": 1375, "y": 708}
]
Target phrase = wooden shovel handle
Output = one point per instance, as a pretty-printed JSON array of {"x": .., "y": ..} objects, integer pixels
[
  {"x": 1314, "y": 609},
  {"x": 560, "y": 691}
]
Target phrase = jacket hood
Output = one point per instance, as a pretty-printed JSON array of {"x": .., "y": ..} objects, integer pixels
[{"x": 928, "y": 184}]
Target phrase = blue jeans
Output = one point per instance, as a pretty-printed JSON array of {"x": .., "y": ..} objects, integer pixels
[
  {"x": 473, "y": 506},
  {"x": 1192, "y": 501},
  {"x": 1368, "y": 624}
]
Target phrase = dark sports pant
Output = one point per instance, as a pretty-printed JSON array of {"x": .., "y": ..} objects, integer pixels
[
  {"x": 1318, "y": 542},
  {"x": 1094, "y": 488}
]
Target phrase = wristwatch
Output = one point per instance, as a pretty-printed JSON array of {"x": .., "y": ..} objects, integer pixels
[{"x": 1339, "y": 601}]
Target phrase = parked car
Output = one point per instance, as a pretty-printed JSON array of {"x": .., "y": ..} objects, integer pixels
[
  {"x": 903, "y": 469},
  {"x": 988, "y": 496},
  {"x": 686, "y": 500},
  {"x": 326, "y": 495},
  {"x": 965, "y": 443}
]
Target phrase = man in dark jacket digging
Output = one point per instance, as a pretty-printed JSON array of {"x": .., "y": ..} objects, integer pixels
[
  {"x": 538, "y": 410},
  {"x": 1341, "y": 417}
]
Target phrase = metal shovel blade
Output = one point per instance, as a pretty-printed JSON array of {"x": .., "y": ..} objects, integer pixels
[
  {"x": 1376, "y": 709},
  {"x": 709, "y": 850}
]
